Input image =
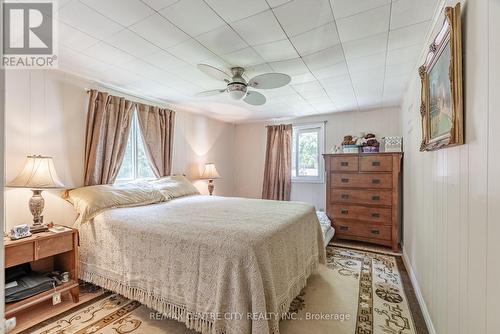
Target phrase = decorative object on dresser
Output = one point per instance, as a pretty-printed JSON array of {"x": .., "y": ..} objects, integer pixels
[
  {"x": 210, "y": 173},
  {"x": 362, "y": 196},
  {"x": 441, "y": 96},
  {"x": 38, "y": 174},
  {"x": 45, "y": 252},
  {"x": 393, "y": 144}
]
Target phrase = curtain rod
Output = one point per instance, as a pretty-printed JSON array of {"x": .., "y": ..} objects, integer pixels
[
  {"x": 305, "y": 123},
  {"x": 115, "y": 91}
]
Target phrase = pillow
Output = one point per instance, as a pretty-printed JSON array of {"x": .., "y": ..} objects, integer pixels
[
  {"x": 175, "y": 186},
  {"x": 92, "y": 200}
]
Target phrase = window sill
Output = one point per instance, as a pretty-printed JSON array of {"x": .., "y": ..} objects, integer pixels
[{"x": 308, "y": 181}]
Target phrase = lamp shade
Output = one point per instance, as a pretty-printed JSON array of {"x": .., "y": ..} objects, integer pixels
[
  {"x": 38, "y": 173},
  {"x": 210, "y": 172}
]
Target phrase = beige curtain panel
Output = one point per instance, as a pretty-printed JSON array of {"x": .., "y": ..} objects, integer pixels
[
  {"x": 108, "y": 126},
  {"x": 278, "y": 168},
  {"x": 157, "y": 129}
]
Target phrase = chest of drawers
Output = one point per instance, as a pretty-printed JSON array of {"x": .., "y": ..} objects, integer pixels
[{"x": 362, "y": 196}]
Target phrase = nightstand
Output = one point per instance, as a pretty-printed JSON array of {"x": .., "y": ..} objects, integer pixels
[{"x": 46, "y": 251}]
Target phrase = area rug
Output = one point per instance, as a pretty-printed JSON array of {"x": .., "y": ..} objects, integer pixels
[{"x": 356, "y": 291}]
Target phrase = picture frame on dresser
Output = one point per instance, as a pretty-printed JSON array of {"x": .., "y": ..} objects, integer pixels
[
  {"x": 363, "y": 196},
  {"x": 441, "y": 105}
]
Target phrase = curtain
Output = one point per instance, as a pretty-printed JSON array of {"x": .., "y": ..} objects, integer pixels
[
  {"x": 157, "y": 129},
  {"x": 108, "y": 126},
  {"x": 278, "y": 168}
]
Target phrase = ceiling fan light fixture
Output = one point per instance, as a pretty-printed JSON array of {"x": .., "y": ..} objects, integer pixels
[{"x": 237, "y": 90}]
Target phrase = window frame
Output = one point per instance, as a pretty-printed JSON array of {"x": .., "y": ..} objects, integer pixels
[
  {"x": 309, "y": 127},
  {"x": 136, "y": 134}
]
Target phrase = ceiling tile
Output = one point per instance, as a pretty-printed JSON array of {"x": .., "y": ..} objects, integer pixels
[
  {"x": 325, "y": 58},
  {"x": 130, "y": 42},
  {"x": 231, "y": 10},
  {"x": 164, "y": 60},
  {"x": 159, "y": 4},
  {"x": 191, "y": 51},
  {"x": 74, "y": 38},
  {"x": 244, "y": 57},
  {"x": 408, "y": 12},
  {"x": 302, "y": 78},
  {"x": 308, "y": 86},
  {"x": 317, "y": 39},
  {"x": 408, "y": 36},
  {"x": 331, "y": 71},
  {"x": 343, "y": 8},
  {"x": 192, "y": 16},
  {"x": 159, "y": 31},
  {"x": 315, "y": 94},
  {"x": 276, "y": 51},
  {"x": 276, "y": 3},
  {"x": 222, "y": 40},
  {"x": 360, "y": 64},
  {"x": 259, "y": 29},
  {"x": 291, "y": 67},
  {"x": 88, "y": 20},
  {"x": 336, "y": 82},
  {"x": 399, "y": 69},
  {"x": 125, "y": 12},
  {"x": 108, "y": 54},
  {"x": 299, "y": 16},
  {"x": 404, "y": 55},
  {"x": 374, "y": 74},
  {"x": 147, "y": 70},
  {"x": 366, "y": 46},
  {"x": 372, "y": 22}
]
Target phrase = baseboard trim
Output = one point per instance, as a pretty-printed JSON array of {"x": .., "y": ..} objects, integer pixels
[{"x": 418, "y": 293}]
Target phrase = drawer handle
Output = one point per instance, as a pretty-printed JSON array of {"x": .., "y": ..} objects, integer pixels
[
  {"x": 375, "y": 163},
  {"x": 344, "y": 211},
  {"x": 376, "y": 215},
  {"x": 375, "y": 198},
  {"x": 344, "y": 163},
  {"x": 344, "y": 196},
  {"x": 344, "y": 180},
  {"x": 375, "y": 232},
  {"x": 375, "y": 181},
  {"x": 343, "y": 228}
]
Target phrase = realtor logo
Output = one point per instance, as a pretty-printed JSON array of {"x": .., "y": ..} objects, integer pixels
[{"x": 28, "y": 35}]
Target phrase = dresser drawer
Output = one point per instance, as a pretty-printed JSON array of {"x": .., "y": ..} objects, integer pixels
[
  {"x": 344, "y": 163},
  {"x": 19, "y": 254},
  {"x": 49, "y": 247},
  {"x": 348, "y": 228},
  {"x": 366, "y": 180},
  {"x": 358, "y": 212},
  {"x": 375, "y": 197},
  {"x": 375, "y": 163}
]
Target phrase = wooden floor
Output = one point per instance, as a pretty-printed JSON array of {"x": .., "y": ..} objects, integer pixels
[{"x": 43, "y": 311}]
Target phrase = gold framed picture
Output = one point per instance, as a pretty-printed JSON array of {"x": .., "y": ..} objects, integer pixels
[{"x": 441, "y": 95}]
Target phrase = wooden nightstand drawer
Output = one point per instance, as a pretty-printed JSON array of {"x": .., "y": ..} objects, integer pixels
[
  {"x": 56, "y": 245},
  {"x": 20, "y": 254},
  {"x": 375, "y": 163},
  {"x": 344, "y": 163}
]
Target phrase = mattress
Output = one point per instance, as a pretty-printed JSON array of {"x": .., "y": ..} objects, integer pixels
[{"x": 219, "y": 265}]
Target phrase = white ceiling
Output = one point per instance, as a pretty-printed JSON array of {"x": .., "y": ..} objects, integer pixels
[{"x": 341, "y": 54}]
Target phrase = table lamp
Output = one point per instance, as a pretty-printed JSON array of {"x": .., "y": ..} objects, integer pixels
[
  {"x": 38, "y": 174},
  {"x": 210, "y": 173}
]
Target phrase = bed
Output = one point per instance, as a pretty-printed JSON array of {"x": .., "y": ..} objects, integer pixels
[{"x": 219, "y": 265}]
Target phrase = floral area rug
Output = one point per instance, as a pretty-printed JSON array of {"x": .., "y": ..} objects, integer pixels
[{"x": 357, "y": 292}]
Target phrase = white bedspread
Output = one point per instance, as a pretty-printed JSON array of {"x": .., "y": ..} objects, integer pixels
[{"x": 220, "y": 265}]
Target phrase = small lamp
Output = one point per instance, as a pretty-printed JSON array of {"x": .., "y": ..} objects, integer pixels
[
  {"x": 210, "y": 173},
  {"x": 38, "y": 174}
]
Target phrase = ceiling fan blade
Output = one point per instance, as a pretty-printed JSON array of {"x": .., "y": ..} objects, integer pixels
[
  {"x": 210, "y": 92},
  {"x": 255, "y": 98},
  {"x": 214, "y": 72},
  {"x": 269, "y": 81}
]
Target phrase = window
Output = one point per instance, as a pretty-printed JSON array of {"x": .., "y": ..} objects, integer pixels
[
  {"x": 135, "y": 164},
  {"x": 307, "y": 147}
]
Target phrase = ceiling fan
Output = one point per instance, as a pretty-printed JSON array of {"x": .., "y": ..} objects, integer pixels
[{"x": 237, "y": 85}]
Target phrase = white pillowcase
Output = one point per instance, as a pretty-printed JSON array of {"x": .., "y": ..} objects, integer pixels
[{"x": 174, "y": 186}]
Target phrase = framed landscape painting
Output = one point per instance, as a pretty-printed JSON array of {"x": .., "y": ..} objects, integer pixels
[{"x": 441, "y": 74}]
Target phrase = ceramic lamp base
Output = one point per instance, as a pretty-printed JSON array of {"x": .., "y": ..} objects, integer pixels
[{"x": 211, "y": 187}]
